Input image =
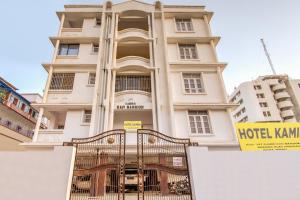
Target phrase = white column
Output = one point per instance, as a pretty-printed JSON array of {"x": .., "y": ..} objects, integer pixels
[
  {"x": 97, "y": 82},
  {"x": 220, "y": 77},
  {"x": 154, "y": 114},
  {"x": 112, "y": 103},
  {"x": 207, "y": 26}
]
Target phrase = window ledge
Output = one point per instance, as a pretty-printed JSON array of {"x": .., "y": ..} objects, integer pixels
[
  {"x": 60, "y": 91},
  {"x": 189, "y": 59},
  {"x": 200, "y": 93},
  {"x": 85, "y": 124},
  {"x": 185, "y": 31},
  {"x": 90, "y": 85},
  {"x": 67, "y": 57},
  {"x": 202, "y": 135}
]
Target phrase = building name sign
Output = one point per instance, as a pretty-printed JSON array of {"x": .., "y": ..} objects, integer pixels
[
  {"x": 130, "y": 105},
  {"x": 268, "y": 136}
]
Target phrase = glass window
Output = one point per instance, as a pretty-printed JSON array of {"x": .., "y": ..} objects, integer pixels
[
  {"x": 193, "y": 83},
  {"x": 199, "y": 122},
  {"x": 188, "y": 51},
  {"x": 184, "y": 25},
  {"x": 87, "y": 116},
  {"x": 92, "y": 78},
  {"x": 68, "y": 49},
  {"x": 95, "y": 48}
]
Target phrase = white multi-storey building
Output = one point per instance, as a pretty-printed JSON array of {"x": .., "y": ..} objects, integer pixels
[
  {"x": 134, "y": 61},
  {"x": 273, "y": 98}
]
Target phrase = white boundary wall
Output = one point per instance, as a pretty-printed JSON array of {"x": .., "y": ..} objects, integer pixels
[
  {"x": 234, "y": 175},
  {"x": 35, "y": 175}
]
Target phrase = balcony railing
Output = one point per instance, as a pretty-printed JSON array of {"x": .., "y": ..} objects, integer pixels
[
  {"x": 141, "y": 83},
  {"x": 10, "y": 125},
  {"x": 133, "y": 61},
  {"x": 132, "y": 32}
]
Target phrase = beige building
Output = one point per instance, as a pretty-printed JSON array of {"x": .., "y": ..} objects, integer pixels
[
  {"x": 134, "y": 61},
  {"x": 273, "y": 98}
]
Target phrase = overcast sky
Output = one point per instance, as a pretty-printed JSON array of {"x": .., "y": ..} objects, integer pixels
[{"x": 27, "y": 24}]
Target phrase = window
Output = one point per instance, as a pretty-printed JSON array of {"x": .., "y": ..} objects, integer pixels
[
  {"x": 8, "y": 123},
  {"x": 257, "y": 87},
  {"x": 244, "y": 119},
  {"x": 184, "y": 25},
  {"x": 68, "y": 49},
  {"x": 23, "y": 107},
  {"x": 199, "y": 122},
  {"x": 142, "y": 83},
  {"x": 188, "y": 51},
  {"x": 95, "y": 48},
  {"x": 87, "y": 116},
  {"x": 62, "y": 81},
  {"x": 60, "y": 126},
  {"x": 267, "y": 113},
  {"x": 33, "y": 114},
  {"x": 15, "y": 101},
  {"x": 18, "y": 128},
  {"x": 92, "y": 78},
  {"x": 299, "y": 85},
  {"x": 240, "y": 102},
  {"x": 260, "y": 96},
  {"x": 98, "y": 22},
  {"x": 263, "y": 104},
  {"x": 193, "y": 83}
]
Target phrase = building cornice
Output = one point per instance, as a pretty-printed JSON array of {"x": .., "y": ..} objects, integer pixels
[
  {"x": 207, "y": 106},
  {"x": 80, "y": 40}
]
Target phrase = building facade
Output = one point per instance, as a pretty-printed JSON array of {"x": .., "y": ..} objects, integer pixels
[
  {"x": 273, "y": 98},
  {"x": 17, "y": 117},
  {"x": 134, "y": 61}
]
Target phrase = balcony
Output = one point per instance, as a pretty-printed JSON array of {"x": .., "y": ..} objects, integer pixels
[
  {"x": 71, "y": 32},
  {"x": 290, "y": 120},
  {"x": 132, "y": 33},
  {"x": 287, "y": 114},
  {"x": 280, "y": 86},
  {"x": 272, "y": 81},
  {"x": 133, "y": 61},
  {"x": 16, "y": 128},
  {"x": 50, "y": 135},
  {"x": 285, "y": 104},
  {"x": 282, "y": 95}
]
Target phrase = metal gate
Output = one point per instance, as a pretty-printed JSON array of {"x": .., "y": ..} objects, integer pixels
[
  {"x": 99, "y": 167},
  {"x": 162, "y": 167}
]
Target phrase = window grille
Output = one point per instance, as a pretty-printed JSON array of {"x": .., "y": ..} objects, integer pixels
[
  {"x": 199, "y": 122},
  {"x": 184, "y": 25},
  {"x": 188, "y": 51},
  {"x": 193, "y": 83},
  {"x": 68, "y": 49},
  {"x": 92, "y": 78},
  {"x": 142, "y": 83},
  {"x": 87, "y": 116},
  {"x": 62, "y": 81}
]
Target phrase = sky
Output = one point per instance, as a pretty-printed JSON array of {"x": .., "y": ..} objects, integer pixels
[{"x": 26, "y": 26}]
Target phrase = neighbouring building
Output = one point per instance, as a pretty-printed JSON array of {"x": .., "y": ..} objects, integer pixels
[
  {"x": 271, "y": 98},
  {"x": 17, "y": 117}
]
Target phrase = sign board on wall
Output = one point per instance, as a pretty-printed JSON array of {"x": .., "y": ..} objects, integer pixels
[
  {"x": 268, "y": 136},
  {"x": 132, "y": 125},
  {"x": 177, "y": 161}
]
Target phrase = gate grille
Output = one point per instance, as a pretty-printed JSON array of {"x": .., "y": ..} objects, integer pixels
[
  {"x": 99, "y": 167},
  {"x": 162, "y": 167}
]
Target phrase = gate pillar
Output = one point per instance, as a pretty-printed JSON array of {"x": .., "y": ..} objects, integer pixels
[{"x": 164, "y": 189}]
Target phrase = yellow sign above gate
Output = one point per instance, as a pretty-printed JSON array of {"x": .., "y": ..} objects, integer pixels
[
  {"x": 268, "y": 136},
  {"x": 132, "y": 125}
]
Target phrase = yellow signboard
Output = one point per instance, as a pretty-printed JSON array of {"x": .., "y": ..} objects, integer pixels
[
  {"x": 132, "y": 125},
  {"x": 268, "y": 136}
]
